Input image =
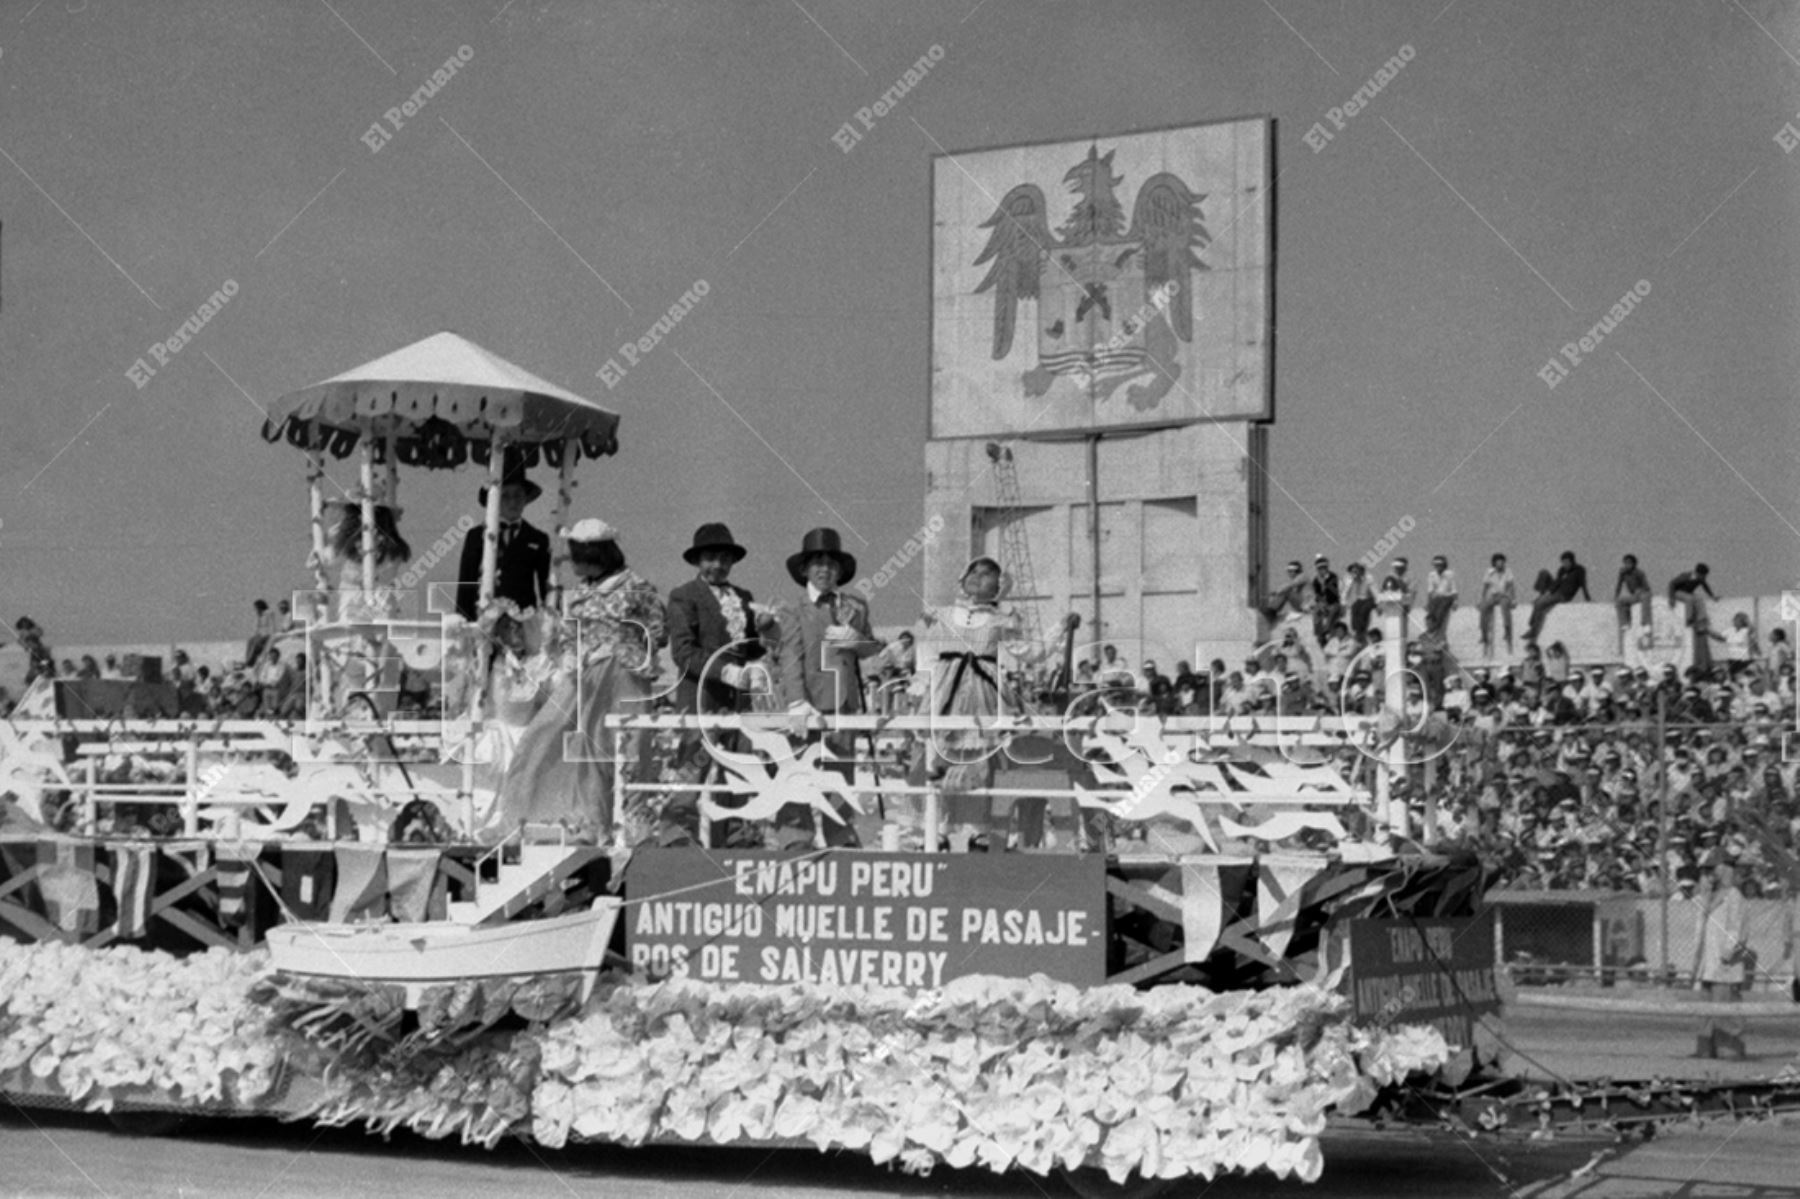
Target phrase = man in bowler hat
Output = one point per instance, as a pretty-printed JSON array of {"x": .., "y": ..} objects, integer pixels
[
  {"x": 823, "y": 643},
  {"x": 713, "y": 638},
  {"x": 522, "y": 564}
]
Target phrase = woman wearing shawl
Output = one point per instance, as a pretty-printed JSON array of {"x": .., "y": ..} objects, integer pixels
[{"x": 605, "y": 651}]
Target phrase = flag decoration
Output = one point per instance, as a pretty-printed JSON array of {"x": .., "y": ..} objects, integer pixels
[
  {"x": 416, "y": 891},
  {"x": 308, "y": 880},
  {"x": 70, "y": 890},
  {"x": 361, "y": 891},
  {"x": 235, "y": 864},
  {"x": 133, "y": 884}
]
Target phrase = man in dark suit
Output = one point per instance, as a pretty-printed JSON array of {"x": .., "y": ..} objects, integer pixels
[
  {"x": 712, "y": 629},
  {"x": 822, "y": 646},
  {"x": 522, "y": 564},
  {"x": 713, "y": 639}
]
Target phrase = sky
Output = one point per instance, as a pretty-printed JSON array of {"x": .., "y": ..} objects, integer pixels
[{"x": 589, "y": 163}]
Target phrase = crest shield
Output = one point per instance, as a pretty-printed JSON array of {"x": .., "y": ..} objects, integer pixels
[{"x": 1092, "y": 318}]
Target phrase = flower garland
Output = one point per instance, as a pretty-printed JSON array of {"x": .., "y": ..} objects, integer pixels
[
  {"x": 1001, "y": 1073},
  {"x": 99, "y": 1021},
  {"x": 995, "y": 1072}
]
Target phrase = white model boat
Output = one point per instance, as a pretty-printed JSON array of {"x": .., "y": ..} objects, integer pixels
[{"x": 416, "y": 955}]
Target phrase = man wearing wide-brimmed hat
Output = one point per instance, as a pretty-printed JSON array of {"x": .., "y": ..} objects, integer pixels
[
  {"x": 522, "y": 560},
  {"x": 712, "y": 626},
  {"x": 822, "y": 646}
]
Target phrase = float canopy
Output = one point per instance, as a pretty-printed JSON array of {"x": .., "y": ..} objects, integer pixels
[{"x": 444, "y": 400}]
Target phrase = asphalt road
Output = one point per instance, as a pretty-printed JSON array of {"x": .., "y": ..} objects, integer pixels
[{"x": 47, "y": 1153}]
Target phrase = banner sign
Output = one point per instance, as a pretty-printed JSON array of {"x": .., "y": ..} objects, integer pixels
[
  {"x": 1437, "y": 972},
  {"x": 1102, "y": 283},
  {"x": 872, "y": 919}
]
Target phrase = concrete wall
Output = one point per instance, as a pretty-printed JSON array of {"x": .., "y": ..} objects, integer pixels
[
  {"x": 1177, "y": 547},
  {"x": 1591, "y": 631}
]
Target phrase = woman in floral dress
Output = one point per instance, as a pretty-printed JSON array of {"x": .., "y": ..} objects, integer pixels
[{"x": 605, "y": 651}]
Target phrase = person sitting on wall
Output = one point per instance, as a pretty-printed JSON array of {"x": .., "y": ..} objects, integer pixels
[{"x": 1569, "y": 581}]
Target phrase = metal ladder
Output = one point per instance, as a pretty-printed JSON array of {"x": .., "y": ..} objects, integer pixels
[{"x": 1015, "y": 546}]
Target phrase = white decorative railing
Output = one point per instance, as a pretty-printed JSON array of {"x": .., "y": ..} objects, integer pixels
[{"x": 1212, "y": 774}]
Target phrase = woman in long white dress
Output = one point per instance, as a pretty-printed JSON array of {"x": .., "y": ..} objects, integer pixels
[
  {"x": 343, "y": 550},
  {"x": 368, "y": 666},
  {"x": 605, "y": 649}
]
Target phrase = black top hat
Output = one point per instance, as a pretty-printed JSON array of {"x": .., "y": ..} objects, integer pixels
[
  {"x": 512, "y": 470},
  {"x": 821, "y": 541},
  {"x": 713, "y": 537}
]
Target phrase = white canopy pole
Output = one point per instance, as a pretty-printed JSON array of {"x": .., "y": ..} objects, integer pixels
[
  {"x": 317, "y": 668},
  {"x": 490, "y": 559},
  {"x": 390, "y": 490},
  {"x": 565, "y": 484},
  {"x": 368, "y": 519},
  {"x": 315, "y": 485},
  {"x": 490, "y": 536}
]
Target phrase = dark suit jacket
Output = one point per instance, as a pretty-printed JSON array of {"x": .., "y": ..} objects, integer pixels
[
  {"x": 521, "y": 575},
  {"x": 830, "y": 679},
  {"x": 697, "y": 632}
]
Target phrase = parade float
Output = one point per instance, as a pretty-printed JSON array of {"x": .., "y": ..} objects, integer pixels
[
  {"x": 1209, "y": 937},
  {"x": 1155, "y": 984}
]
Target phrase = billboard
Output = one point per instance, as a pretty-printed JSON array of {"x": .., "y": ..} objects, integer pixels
[
  {"x": 1108, "y": 282},
  {"x": 1437, "y": 972},
  {"x": 870, "y": 919}
]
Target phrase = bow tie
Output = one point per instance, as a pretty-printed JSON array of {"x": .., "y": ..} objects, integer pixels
[
  {"x": 508, "y": 531},
  {"x": 827, "y": 600}
]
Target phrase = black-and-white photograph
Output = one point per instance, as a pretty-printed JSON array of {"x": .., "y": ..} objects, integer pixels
[{"x": 969, "y": 597}]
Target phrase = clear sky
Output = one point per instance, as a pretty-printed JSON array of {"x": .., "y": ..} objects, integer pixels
[{"x": 591, "y": 162}]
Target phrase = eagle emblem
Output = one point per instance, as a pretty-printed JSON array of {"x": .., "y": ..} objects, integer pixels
[{"x": 1111, "y": 300}]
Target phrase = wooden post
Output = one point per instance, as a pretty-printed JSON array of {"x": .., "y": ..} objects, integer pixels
[{"x": 90, "y": 814}]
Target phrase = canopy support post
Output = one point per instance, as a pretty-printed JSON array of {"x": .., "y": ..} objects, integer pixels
[
  {"x": 315, "y": 485},
  {"x": 368, "y": 519},
  {"x": 565, "y": 484},
  {"x": 317, "y": 668},
  {"x": 390, "y": 489},
  {"x": 490, "y": 535},
  {"x": 490, "y": 564}
]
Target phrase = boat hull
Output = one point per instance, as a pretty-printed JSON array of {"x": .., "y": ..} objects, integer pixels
[{"x": 442, "y": 952}]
